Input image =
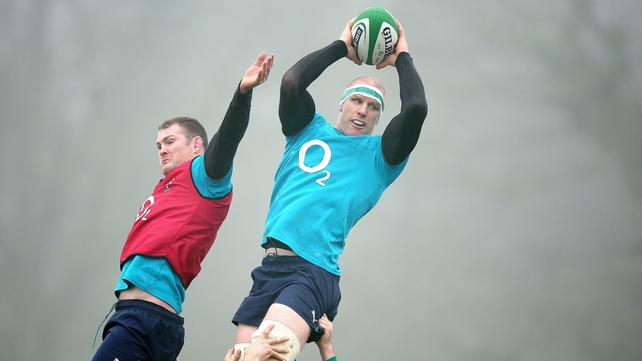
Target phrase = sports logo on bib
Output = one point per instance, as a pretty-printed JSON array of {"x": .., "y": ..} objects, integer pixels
[{"x": 145, "y": 209}]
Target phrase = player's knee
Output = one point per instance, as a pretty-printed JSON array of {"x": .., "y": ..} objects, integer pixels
[{"x": 280, "y": 330}]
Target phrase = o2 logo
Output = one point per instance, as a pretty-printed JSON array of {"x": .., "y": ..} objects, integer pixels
[
  {"x": 145, "y": 209},
  {"x": 327, "y": 154}
]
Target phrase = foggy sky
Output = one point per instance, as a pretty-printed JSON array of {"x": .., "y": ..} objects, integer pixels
[{"x": 515, "y": 232}]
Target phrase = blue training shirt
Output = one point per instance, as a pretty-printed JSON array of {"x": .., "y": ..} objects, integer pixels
[{"x": 325, "y": 183}]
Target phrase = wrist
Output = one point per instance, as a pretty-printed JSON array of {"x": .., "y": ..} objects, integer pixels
[
  {"x": 244, "y": 88},
  {"x": 327, "y": 353}
]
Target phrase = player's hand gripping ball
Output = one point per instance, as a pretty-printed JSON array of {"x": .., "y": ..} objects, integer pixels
[{"x": 374, "y": 35}]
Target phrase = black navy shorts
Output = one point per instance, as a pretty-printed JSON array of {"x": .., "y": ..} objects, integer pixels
[
  {"x": 306, "y": 288},
  {"x": 141, "y": 330}
]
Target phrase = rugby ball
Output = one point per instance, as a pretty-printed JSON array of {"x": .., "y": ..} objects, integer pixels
[{"x": 374, "y": 35}]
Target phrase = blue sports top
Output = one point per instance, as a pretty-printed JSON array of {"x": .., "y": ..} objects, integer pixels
[
  {"x": 319, "y": 194},
  {"x": 154, "y": 276}
]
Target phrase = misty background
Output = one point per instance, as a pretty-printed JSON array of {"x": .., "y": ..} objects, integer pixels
[{"x": 515, "y": 232}]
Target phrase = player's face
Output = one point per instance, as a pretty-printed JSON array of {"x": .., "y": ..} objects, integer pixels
[
  {"x": 358, "y": 115},
  {"x": 173, "y": 148}
]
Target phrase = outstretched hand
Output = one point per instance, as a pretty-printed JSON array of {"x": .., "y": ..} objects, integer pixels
[
  {"x": 346, "y": 36},
  {"x": 258, "y": 73},
  {"x": 262, "y": 349},
  {"x": 402, "y": 45}
]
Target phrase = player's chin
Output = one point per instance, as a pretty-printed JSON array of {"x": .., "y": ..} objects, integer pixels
[
  {"x": 357, "y": 131},
  {"x": 166, "y": 168}
]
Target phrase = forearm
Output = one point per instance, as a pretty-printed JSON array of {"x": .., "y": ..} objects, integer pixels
[
  {"x": 327, "y": 353},
  {"x": 220, "y": 153},
  {"x": 402, "y": 134},
  {"x": 310, "y": 67},
  {"x": 296, "y": 106}
]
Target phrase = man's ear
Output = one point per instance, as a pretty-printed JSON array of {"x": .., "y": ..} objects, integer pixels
[{"x": 198, "y": 143}]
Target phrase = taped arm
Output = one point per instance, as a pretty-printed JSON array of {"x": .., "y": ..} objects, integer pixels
[
  {"x": 219, "y": 155},
  {"x": 402, "y": 134},
  {"x": 296, "y": 106}
]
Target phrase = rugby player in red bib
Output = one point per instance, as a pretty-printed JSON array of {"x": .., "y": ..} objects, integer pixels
[{"x": 175, "y": 228}]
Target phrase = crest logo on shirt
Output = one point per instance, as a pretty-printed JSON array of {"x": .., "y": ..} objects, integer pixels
[{"x": 167, "y": 185}]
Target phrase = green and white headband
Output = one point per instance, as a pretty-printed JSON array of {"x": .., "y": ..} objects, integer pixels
[{"x": 366, "y": 91}]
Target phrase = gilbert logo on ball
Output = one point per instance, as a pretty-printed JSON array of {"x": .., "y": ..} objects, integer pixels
[{"x": 374, "y": 35}]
